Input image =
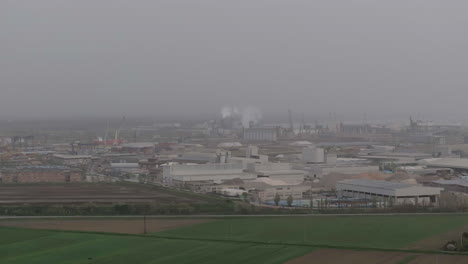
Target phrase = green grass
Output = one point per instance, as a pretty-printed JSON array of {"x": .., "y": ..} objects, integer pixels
[
  {"x": 245, "y": 240},
  {"x": 18, "y": 246},
  {"x": 383, "y": 232}
]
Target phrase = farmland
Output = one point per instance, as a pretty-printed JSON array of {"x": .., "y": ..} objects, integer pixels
[
  {"x": 292, "y": 240},
  {"x": 382, "y": 232},
  {"x": 125, "y": 226},
  {"x": 35, "y": 246}
]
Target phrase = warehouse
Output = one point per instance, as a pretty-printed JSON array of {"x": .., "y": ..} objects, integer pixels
[
  {"x": 179, "y": 175},
  {"x": 457, "y": 164},
  {"x": 391, "y": 192}
]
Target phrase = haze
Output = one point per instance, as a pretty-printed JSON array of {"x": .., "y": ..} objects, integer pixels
[{"x": 96, "y": 58}]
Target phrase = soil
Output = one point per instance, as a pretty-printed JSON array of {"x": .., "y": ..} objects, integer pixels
[
  {"x": 126, "y": 226},
  {"x": 333, "y": 256},
  {"x": 438, "y": 241},
  {"x": 85, "y": 193}
]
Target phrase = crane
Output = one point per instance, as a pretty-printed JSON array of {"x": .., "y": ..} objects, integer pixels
[
  {"x": 291, "y": 125},
  {"x": 117, "y": 131}
]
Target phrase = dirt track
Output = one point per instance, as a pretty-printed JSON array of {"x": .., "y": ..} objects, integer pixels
[
  {"x": 437, "y": 242},
  {"x": 334, "y": 256},
  {"x": 126, "y": 226},
  {"x": 84, "y": 193}
]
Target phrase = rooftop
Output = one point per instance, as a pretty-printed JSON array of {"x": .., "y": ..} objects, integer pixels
[
  {"x": 386, "y": 185},
  {"x": 457, "y": 163},
  {"x": 458, "y": 182}
]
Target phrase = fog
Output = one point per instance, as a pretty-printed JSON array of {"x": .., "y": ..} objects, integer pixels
[{"x": 183, "y": 57}]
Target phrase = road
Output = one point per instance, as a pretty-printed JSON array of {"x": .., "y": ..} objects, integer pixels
[{"x": 223, "y": 216}]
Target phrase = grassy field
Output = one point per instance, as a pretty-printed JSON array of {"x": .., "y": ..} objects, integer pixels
[
  {"x": 385, "y": 232},
  {"x": 21, "y": 246},
  {"x": 240, "y": 240}
]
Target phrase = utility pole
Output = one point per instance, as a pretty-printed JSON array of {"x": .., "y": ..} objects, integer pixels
[{"x": 144, "y": 224}]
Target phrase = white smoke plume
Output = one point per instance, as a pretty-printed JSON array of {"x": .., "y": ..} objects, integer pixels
[
  {"x": 251, "y": 114},
  {"x": 229, "y": 111}
]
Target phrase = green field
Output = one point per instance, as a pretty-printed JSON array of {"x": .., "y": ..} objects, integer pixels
[
  {"x": 384, "y": 232},
  {"x": 227, "y": 240},
  {"x": 37, "y": 246}
]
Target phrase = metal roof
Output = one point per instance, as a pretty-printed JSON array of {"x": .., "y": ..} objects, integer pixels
[
  {"x": 456, "y": 163},
  {"x": 386, "y": 185},
  {"x": 458, "y": 182}
]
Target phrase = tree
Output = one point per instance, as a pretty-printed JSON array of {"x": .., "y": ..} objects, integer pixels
[
  {"x": 244, "y": 196},
  {"x": 290, "y": 200},
  {"x": 277, "y": 199}
]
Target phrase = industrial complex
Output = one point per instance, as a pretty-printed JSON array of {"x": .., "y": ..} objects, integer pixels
[{"x": 241, "y": 157}]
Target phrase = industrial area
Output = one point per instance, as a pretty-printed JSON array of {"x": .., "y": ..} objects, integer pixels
[{"x": 322, "y": 164}]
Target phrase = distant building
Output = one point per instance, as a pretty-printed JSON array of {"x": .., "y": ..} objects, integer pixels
[
  {"x": 277, "y": 171},
  {"x": 179, "y": 175},
  {"x": 260, "y": 134},
  {"x": 138, "y": 147},
  {"x": 457, "y": 164},
  {"x": 313, "y": 154},
  {"x": 265, "y": 189},
  {"x": 32, "y": 174},
  {"x": 390, "y": 192},
  {"x": 72, "y": 160}
]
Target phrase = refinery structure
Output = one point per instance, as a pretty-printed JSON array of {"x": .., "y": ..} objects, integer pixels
[{"x": 238, "y": 154}]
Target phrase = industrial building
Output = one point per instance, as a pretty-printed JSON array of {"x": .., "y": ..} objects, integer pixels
[
  {"x": 72, "y": 160},
  {"x": 457, "y": 164},
  {"x": 277, "y": 171},
  {"x": 456, "y": 185},
  {"x": 265, "y": 189},
  {"x": 258, "y": 134},
  {"x": 390, "y": 192},
  {"x": 312, "y": 154},
  {"x": 179, "y": 175}
]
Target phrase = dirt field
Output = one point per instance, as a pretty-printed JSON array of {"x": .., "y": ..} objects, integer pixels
[
  {"x": 438, "y": 241},
  {"x": 333, "y": 256},
  {"x": 126, "y": 226},
  {"x": 83, "y": 193},
  {"x": 439, "y": 259}
]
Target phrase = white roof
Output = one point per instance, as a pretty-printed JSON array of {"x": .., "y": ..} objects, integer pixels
[
  {"x": 139, "y": 145},
  {"x": 301, "y": 143},
  {"x": 229, "y": 144},
  {"x": 377, "y": 184},
  {"x": 386, "y": 188},
  {"x": 459, "y": 182},
  {"x": 269, "y": 181},
  {"x": 456, "y": 163}
]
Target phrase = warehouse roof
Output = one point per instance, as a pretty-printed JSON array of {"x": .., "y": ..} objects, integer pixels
[
  {"x": 386, "y": 188},
  {"x": 456, "y": 163},
  {"x": 458, "y": 182},
  {"x": 386, "y": 185}
]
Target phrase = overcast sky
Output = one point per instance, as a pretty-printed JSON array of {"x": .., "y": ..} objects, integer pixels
[{"x": 136, "y": 57}]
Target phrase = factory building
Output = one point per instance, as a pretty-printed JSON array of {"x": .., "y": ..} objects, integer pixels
[
  {"x": 179, "y": 175},
  {"x": 277, "y": 171},
  {"x": 456, "y": 185},
  {"x": 313, "y": 154},
  {"x": 33, "y": 174},
  {"x": 72, "y": 160},
  {"x": 260, "y": 134},
  {"x": 390, "y": 192},
  {"x": 265, "y": 189},
  {"x": 457, "y": 164}
]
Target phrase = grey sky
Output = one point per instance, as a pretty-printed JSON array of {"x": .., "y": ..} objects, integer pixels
[{"x": 114, "y": 57}]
